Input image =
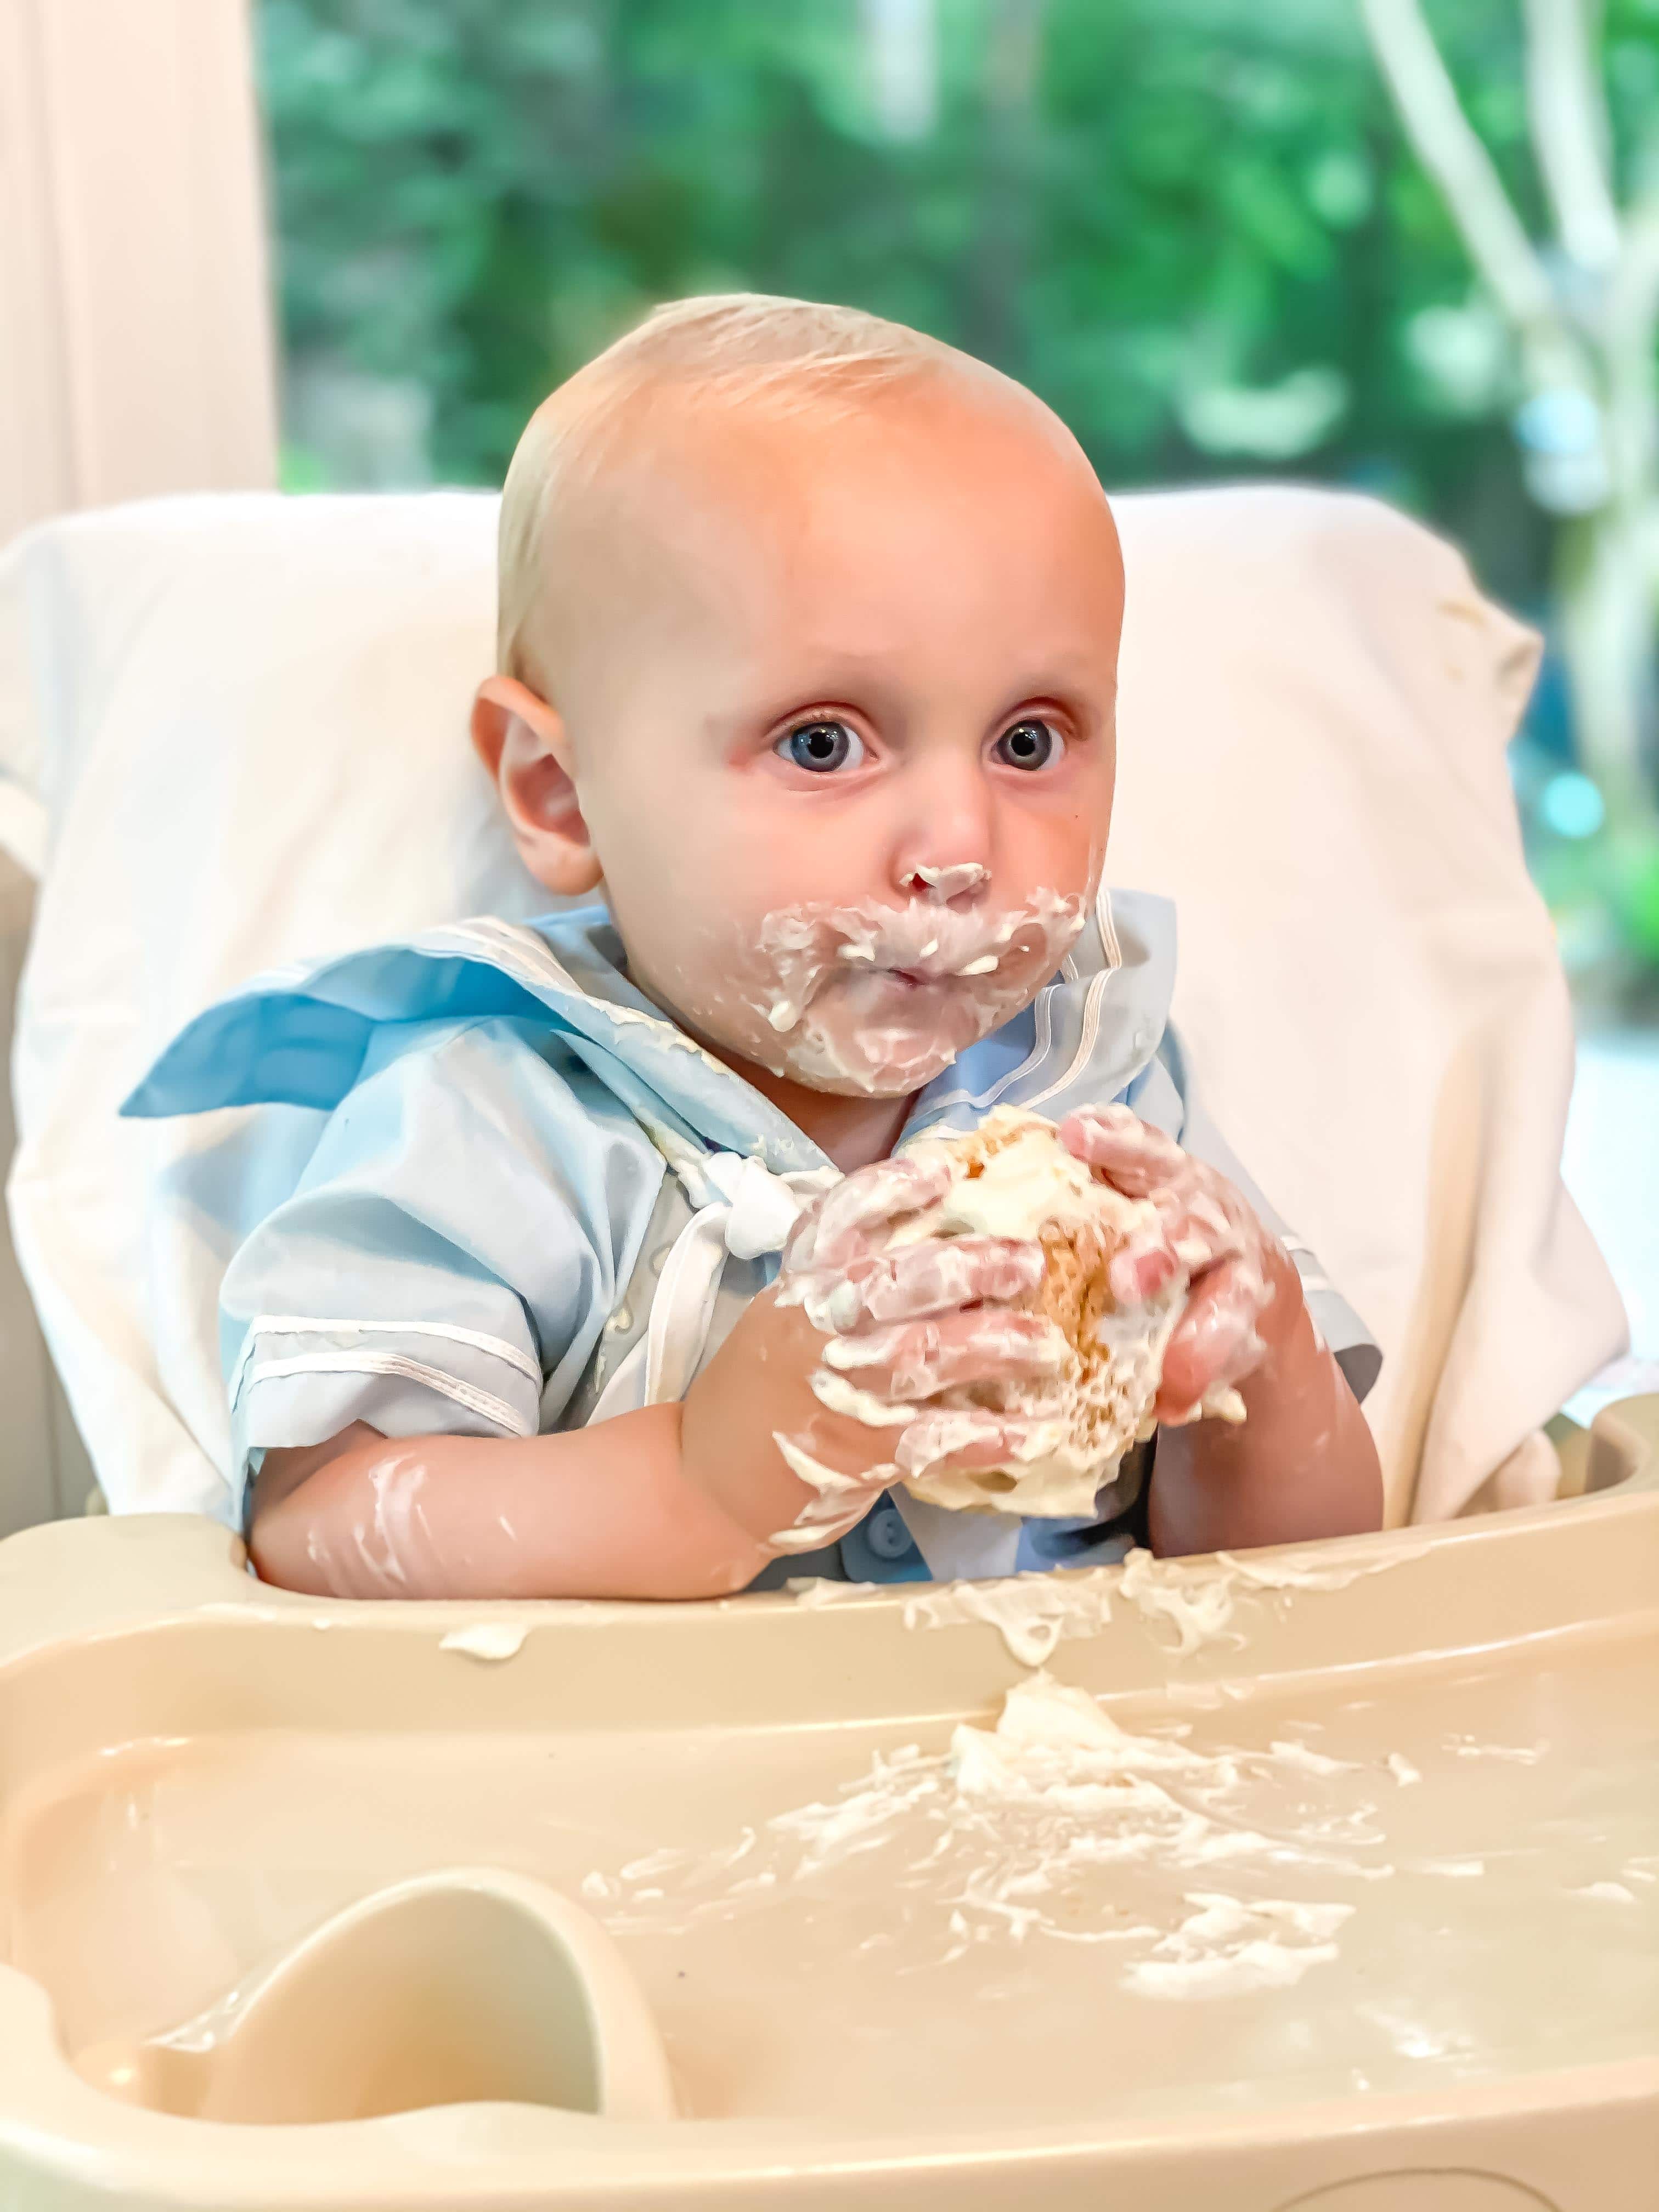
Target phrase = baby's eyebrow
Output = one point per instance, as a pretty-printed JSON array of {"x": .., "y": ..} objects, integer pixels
[{"x": 847, "y": 682}]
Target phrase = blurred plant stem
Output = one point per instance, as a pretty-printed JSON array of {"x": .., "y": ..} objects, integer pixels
[
  {"x": 1584, "y": 312},
  {"x": 999, "y": 262}
]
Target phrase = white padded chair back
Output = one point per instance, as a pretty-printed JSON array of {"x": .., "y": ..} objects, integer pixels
[{"x": 233, "y": 732}]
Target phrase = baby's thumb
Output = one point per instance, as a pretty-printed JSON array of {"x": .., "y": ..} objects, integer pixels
[
  {"x": 1129, "y": 1153},
  {"x": 1213, "y": 1344}
]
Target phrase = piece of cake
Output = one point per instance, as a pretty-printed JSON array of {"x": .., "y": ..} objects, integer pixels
[{"x": 1013, "y": 1177}]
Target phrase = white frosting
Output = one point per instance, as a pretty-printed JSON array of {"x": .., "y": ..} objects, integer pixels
[
  {"x": 876, "y": 999},
  {"x": 1311, "y": 1570},
  {"x": 814, "y": 1590},
  {"x": 1222, "y": 1403},
  {"x": 1194, "y": 1599},
  {"x": 956, "y": 1428},
  {"x": 386, "y": 1546},
  {"x": 838, "y": 1500},
  {"x": 1227, "y": 1946},
  {"x": 1513, "y": 1754},
  {"x": 1198, "y": 1597},
  {"x": 1031, "y": 1612},
  {"x": 849, "y": 1353},
  {"x": 1008, "y": 1833},
  {"x": 486, "y": 1639},
  {"x": 840, "y": 1396},
  {"x": 1022, "y": 1189},
  {"x": 953, "y": 881},
  {"x": 382, "y": 1556},
  {"x": 666, "y": 1032},
  {"x": 1306, "y": 1760}
]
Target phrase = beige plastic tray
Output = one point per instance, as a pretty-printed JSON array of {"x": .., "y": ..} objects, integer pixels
[{"x": 708, "y": 1906}]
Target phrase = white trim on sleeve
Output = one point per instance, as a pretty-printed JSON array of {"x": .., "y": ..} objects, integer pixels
[
  {"x": 314, "y": 1325},
  {"x": 483, "y": 1403}
]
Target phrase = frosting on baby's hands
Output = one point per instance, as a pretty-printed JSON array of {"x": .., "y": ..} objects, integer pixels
[
  {"x": 903, "y": 1324},
  {"x": 1203, "y": 1226}
]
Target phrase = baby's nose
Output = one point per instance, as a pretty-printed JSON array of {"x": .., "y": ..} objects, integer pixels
[{"x": 938, "y": 884}]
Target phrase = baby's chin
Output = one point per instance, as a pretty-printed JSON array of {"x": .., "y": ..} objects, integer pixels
[{"x": 870, "y": 1036}]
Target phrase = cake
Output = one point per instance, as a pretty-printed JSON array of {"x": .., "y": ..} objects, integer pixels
[{"x": 1012, "y": 1177}]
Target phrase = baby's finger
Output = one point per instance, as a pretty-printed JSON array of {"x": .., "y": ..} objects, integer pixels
[
  {"x": 837, "y": 1228},
  {"x": 1215, "y": 1341},
  {"x": 1129, "y": 1153},
  {"x": 1142, "y": 1266},
  {"x": 1201, "y": 1231},
  {"x": 970, "y": 1440},
  {"x": 916, "y": 1358},
  {"x": 936, "y": 1275}
]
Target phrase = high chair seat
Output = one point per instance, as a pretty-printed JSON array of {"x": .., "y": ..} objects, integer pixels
[{"x": 233, "y": 733}]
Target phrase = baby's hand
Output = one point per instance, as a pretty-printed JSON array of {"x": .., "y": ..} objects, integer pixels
[
  {"x": 905, "y": 1323},
  {"x": 1204, "y": 1226},
  {"x": 834, "y": 1375}
]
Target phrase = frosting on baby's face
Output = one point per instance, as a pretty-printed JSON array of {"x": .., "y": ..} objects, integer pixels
[{"x": 843, "y": 738}]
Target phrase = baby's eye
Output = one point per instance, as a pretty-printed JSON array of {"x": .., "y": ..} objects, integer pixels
[
  {"x": 1029, "y": 744},
  {"x": 821, "y": 746}
]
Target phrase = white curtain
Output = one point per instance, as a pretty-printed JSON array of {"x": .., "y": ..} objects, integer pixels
[{"x": 136, "y": 327}]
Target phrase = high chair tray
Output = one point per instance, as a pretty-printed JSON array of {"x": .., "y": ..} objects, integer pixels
[{"x": 1345, "y": 1894}]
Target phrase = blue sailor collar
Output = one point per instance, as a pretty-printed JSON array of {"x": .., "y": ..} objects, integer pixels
[{"x": 300, "y": 1035}]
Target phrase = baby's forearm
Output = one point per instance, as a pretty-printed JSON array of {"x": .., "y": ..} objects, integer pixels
[
  {"x": 605, "y": 1512},
  {"x": 1302, "y": 1464}
]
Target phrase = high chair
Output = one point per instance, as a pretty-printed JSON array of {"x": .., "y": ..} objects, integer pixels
[{"x": 317, "y": 1904}]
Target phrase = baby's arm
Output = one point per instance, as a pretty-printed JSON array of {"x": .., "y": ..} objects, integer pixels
[
  {"x": 1302, "y": 1462},
  {"x": 692, "y": 1500},
  {"x": 604, "y": 1511}
]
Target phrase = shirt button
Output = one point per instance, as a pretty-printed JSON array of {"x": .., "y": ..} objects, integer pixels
[{"x": 886, "y": 1533}]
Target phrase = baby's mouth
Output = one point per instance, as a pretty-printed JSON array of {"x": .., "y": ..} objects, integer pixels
[
  {"x": 876, "y": 999},
  {"x": 910, "y": 965},
  {"x": 930, "y": 972},
  {"x": 910, "y": 980}
]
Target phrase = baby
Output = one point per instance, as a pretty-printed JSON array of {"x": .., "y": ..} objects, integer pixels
[{"x": 807, "y": 650}]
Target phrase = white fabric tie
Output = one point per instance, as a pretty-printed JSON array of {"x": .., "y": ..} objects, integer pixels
[{"x": 745, "y": 1211}]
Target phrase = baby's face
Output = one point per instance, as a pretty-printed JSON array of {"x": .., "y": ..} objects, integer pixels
[{"x": 844, "y": 748}]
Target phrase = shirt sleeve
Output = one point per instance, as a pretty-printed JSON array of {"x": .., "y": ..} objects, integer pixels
[
  {"x": 1164, "y": 1094},
  {"x": 452, "y": 1253}
]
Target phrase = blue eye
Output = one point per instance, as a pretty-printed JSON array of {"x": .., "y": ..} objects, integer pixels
[
  {"x": 1029, "y": 744},
  {"x": 822, "y": 747}
]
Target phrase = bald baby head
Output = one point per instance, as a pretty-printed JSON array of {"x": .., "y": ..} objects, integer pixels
[{"x": 587, "y": 507}]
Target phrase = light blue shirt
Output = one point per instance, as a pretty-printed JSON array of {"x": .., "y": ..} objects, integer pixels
[{"x": 464, "y": 1193}]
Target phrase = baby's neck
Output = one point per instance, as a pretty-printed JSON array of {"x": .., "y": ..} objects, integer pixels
[{"x": 851, "y": 1132}]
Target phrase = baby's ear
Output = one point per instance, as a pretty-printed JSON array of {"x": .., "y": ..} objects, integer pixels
[{"x": 522, "y": 743}]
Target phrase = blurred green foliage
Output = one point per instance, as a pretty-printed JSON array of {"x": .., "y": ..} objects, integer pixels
[
  {"x": 1143, "y": 208},
  {"x": 1192, "y": 225}
]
